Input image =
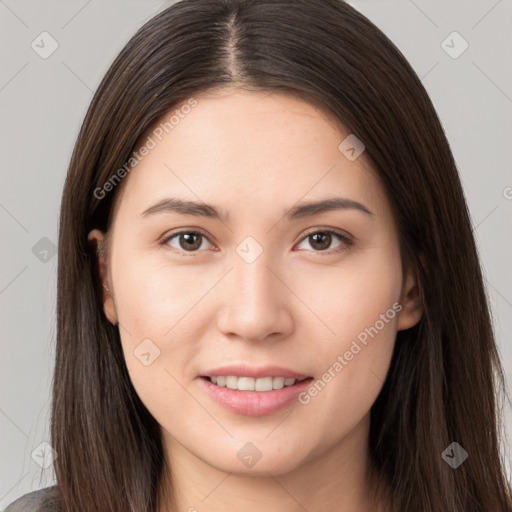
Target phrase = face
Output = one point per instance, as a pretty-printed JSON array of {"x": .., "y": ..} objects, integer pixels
[{"x": 256, "y": 285}]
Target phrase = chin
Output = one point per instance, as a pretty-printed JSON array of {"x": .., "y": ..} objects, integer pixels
[{"x": 252, "y": 461}]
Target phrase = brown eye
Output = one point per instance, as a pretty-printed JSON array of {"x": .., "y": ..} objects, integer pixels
[
  {"x": 188, "y": 241},
  {"x": 320, "y": 241}
]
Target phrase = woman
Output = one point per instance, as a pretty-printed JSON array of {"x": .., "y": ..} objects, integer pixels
[{"x": 269, "y": 295}]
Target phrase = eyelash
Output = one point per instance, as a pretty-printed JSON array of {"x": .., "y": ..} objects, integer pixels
[{"x": 347, "y": 242}]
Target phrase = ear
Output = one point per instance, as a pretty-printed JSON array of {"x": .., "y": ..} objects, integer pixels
[
  {"x": 411, "y": 301},
  {"x": 97, "y": 237}
]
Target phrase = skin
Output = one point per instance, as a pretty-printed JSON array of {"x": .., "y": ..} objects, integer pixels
[{"x": 255, "y": 155}]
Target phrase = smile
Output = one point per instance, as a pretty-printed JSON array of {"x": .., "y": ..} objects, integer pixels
[
  {"x": 251, "y": 396},
  {"x": 252, "y": 384}
]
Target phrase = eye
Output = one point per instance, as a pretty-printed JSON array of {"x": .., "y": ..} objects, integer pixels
[
  {"x": 192, "y": 241},
  {"x": 188, "y": 241},
  {"x": 321, "y": 240}
]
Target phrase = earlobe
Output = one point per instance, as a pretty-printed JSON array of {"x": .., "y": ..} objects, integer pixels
[
  {"x": 97, "y": 237},
  {"x": 411, "y": 301}
]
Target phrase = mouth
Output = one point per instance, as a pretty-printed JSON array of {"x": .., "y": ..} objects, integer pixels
[
  {"x": 254, "y": 396},
  {"x": 260, "y": 384}
]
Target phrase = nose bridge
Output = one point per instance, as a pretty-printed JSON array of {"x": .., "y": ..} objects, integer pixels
[
  {"x": 255, "y": 282},
  {"x": 254, "y": 306}
]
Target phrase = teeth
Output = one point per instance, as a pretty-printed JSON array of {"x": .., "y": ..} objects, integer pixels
[
  {"x": 263, "y": 384},
  {"x": 231, "y": 382},
  {"x": 278, "y": 382},
  {"x": 251, "y": 384}
]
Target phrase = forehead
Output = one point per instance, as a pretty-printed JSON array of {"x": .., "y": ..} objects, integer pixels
[{"x": 249, "y": 150}]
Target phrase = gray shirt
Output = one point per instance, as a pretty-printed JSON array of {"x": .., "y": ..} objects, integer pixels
[{"x": 42, "y": 500}]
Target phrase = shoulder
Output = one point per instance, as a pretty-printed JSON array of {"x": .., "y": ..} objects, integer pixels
[{"x": 42, "y": 500}]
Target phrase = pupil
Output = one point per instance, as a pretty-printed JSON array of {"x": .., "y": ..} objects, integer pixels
[
  {"x": 325, "y": 236},
  {"x": 189, "y": 241}
]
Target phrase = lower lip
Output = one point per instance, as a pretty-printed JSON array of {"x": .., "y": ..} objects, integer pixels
[{"x": 254, "y": 403}]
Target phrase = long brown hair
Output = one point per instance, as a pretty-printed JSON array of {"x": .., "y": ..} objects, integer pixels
[{"x": 445, "y": 376}]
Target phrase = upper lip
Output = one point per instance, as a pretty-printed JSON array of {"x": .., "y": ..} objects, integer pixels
[{"x": 254, "y": 372}]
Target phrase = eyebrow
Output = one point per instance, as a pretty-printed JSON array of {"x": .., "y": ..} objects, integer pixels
[{"x": 198, "y": 209}]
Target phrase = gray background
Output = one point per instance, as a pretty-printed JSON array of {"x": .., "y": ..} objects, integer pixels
[{"x": 43, "y": 102}]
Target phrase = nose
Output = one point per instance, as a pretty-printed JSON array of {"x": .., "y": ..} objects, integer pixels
[{"x": 256, "y": 301}]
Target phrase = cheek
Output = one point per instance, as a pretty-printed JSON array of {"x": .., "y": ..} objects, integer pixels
[
  {"x": 359, "y": 318},
  {"x": 152, "y": 297},
  {"x": 156, "y": 316},
  {"x": 351, "y": 297},
  {"x": 352, "y": 371}
]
